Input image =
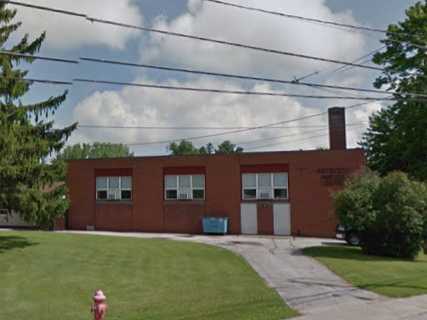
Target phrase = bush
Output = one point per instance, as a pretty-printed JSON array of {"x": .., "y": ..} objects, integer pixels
[{"x": 389, "y": 213}]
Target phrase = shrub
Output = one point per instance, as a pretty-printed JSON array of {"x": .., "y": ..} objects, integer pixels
[{"x": 389, "y": 213}]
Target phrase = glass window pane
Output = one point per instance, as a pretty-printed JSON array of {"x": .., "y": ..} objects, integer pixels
[
  {"x": 184, "y": 182},
  {"x": 101, "y": 183},
  {"x": 199, "y": 182},
  {"x": 170, "y": 182},
  {"x": 280, "y": 179},
  {"x": 126, "y": 182},
  {"x": 101, "y": 195},
  {"x": 126, "y": 195},
  {"x": 114, "y": 194},
  {"x": 198, "y": 194},
  {"x": 265, "y": 193},
  {"x": 249, "y": 194},
  {"x": 249, "y": 180},
  {"x": 264, "y": 180},
  {"x": 280, "y": 193},
  {"x": 171, "y": 194},
  {"x": 114, "y": 183}
]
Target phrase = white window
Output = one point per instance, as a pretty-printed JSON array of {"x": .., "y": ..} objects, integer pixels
[
  {"x": 185, "y": 187},
  {"x": 113, "y": 188},
  {"x": 265, "y": 186}
]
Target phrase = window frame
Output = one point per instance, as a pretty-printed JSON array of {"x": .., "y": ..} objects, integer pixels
[
  {"x": 178, "y": 191},
  {"x": 120, "y": 189},
  {"x": 272, "y": 187}
]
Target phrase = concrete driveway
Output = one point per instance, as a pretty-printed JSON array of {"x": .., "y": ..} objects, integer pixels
[{"x": 304, "y": 284}]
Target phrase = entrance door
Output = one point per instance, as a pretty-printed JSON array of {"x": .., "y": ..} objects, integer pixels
[
  {"x": 249, "y": 218},
  {"x": 282, "y": 219}
]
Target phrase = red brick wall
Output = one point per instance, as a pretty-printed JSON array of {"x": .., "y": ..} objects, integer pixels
[{"x": 313, "y": 176}]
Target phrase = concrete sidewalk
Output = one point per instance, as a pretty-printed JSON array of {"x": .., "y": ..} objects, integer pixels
[{"x": 303, "y": 283}]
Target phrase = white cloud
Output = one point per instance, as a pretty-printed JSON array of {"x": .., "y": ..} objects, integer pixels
[
  {"x": 66, "y": 32},
  {"x": 152, "y": 107},
  {"x": 236, "y": 25}
]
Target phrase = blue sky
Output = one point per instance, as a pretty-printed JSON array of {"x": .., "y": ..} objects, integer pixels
[{"x": 108, "y": 105}]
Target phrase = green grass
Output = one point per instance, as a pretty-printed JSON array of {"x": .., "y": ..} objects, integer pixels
[
  {"x": 52, "y": 276},
  {"x": 386, "y": 276}
]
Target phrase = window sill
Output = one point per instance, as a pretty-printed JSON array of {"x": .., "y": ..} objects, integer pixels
[
  {"x": 184, "y": 202},
  {"x": 266, "y": 200},
  {"x": 114, "y": 202}
]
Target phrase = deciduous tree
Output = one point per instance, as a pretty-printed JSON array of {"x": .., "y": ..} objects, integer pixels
[{"x": 397, "y": 135}]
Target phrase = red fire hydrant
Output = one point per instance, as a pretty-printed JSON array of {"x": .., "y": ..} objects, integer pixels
[{"x": 99, "y": 306}]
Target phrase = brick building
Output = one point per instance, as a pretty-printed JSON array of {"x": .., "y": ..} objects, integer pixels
[{"x": 279, "y": 193}]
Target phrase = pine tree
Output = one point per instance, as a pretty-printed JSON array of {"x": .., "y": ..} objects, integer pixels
[{"x": 29, "y": 184}]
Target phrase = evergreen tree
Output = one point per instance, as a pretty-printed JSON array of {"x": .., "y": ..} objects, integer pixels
[
  {"x": 397, "y": 135},
  {"x": 28, "y": 182}
]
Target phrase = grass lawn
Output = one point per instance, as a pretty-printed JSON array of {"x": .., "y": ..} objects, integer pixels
[
  {"x": 52, "y": 276},
  {"x": 386, "y": 276}
]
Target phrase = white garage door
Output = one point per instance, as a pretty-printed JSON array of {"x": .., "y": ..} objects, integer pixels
[
  {"x": 282, "y": 219},
  {"x": 249, "y": 218}
]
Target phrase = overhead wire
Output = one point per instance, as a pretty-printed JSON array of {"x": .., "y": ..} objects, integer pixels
[
  {"x": 228, "y": 132},
  {"x": 193, "y": 37},
  {"x": 234, "y": 76},
  {"x": 318, "y": 21},
  {"x": 236, "y": 92},
  {"x": 96, "y": 126}
]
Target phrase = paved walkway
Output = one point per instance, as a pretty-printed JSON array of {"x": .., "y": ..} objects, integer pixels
[{"x": 305, "y": 285}]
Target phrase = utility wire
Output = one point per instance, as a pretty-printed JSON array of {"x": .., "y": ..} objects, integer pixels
[
  {"x": 296, "y": 82},
  {"x": 341, "y": 68},
  {"x": 95, "y": 126},
  {"x": 187, "y": 36},
  {"x": 54, "y": 82},
  {"x": 37, "y": 57},
  {"x": 292, "y": 16},
  {"x": 235, "y": 76},
  {"x": 319, "y": 21},
  {"x": 242, "y": 130},
  {"x": 243, "y": 143},
  {"x": 237, "y": 92},
  {"x": 281, "y": 143},
  {"x": 229, "y": 132}
]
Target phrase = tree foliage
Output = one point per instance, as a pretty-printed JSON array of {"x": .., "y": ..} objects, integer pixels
[
  {"x": 397, "y": 135},
  {"x": 227, "y": 148},
  {"x": 389, "y": 213},
  {"x": 185, "y": 147},
  {"x": 95, "y": 151},
  {"x": 28, "y": 183}
]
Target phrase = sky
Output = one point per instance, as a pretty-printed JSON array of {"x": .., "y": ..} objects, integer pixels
[{"x": 108, "y": 105}]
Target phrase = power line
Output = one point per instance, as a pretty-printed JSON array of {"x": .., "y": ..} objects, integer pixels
[
  {"x": 229, "y": 132},
  {"x": 281, "y": 143},
  {"x": 241, "y": 130},
  {"x": 319, "y": 21},
  {"x": 237, "y": 92},
  {"x": 234, "y": 76},
  {"x": 32, "y": 56},
  {"x": 285, "y": 136},
  {"x": 95, "y": 126},
  {"x": 279, "y": 137},
  {"x": 54, "y": 82},
  {"x": 187, "y": 36},
  {"x": 292, "y": 16},
  {"x": 341, "y": 68}
]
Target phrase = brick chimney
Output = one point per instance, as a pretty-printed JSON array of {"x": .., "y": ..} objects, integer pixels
[{"x": 337, "y": 132}]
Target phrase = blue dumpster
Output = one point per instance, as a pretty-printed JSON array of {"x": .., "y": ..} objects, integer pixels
[{"x": 214, "y": 225}]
